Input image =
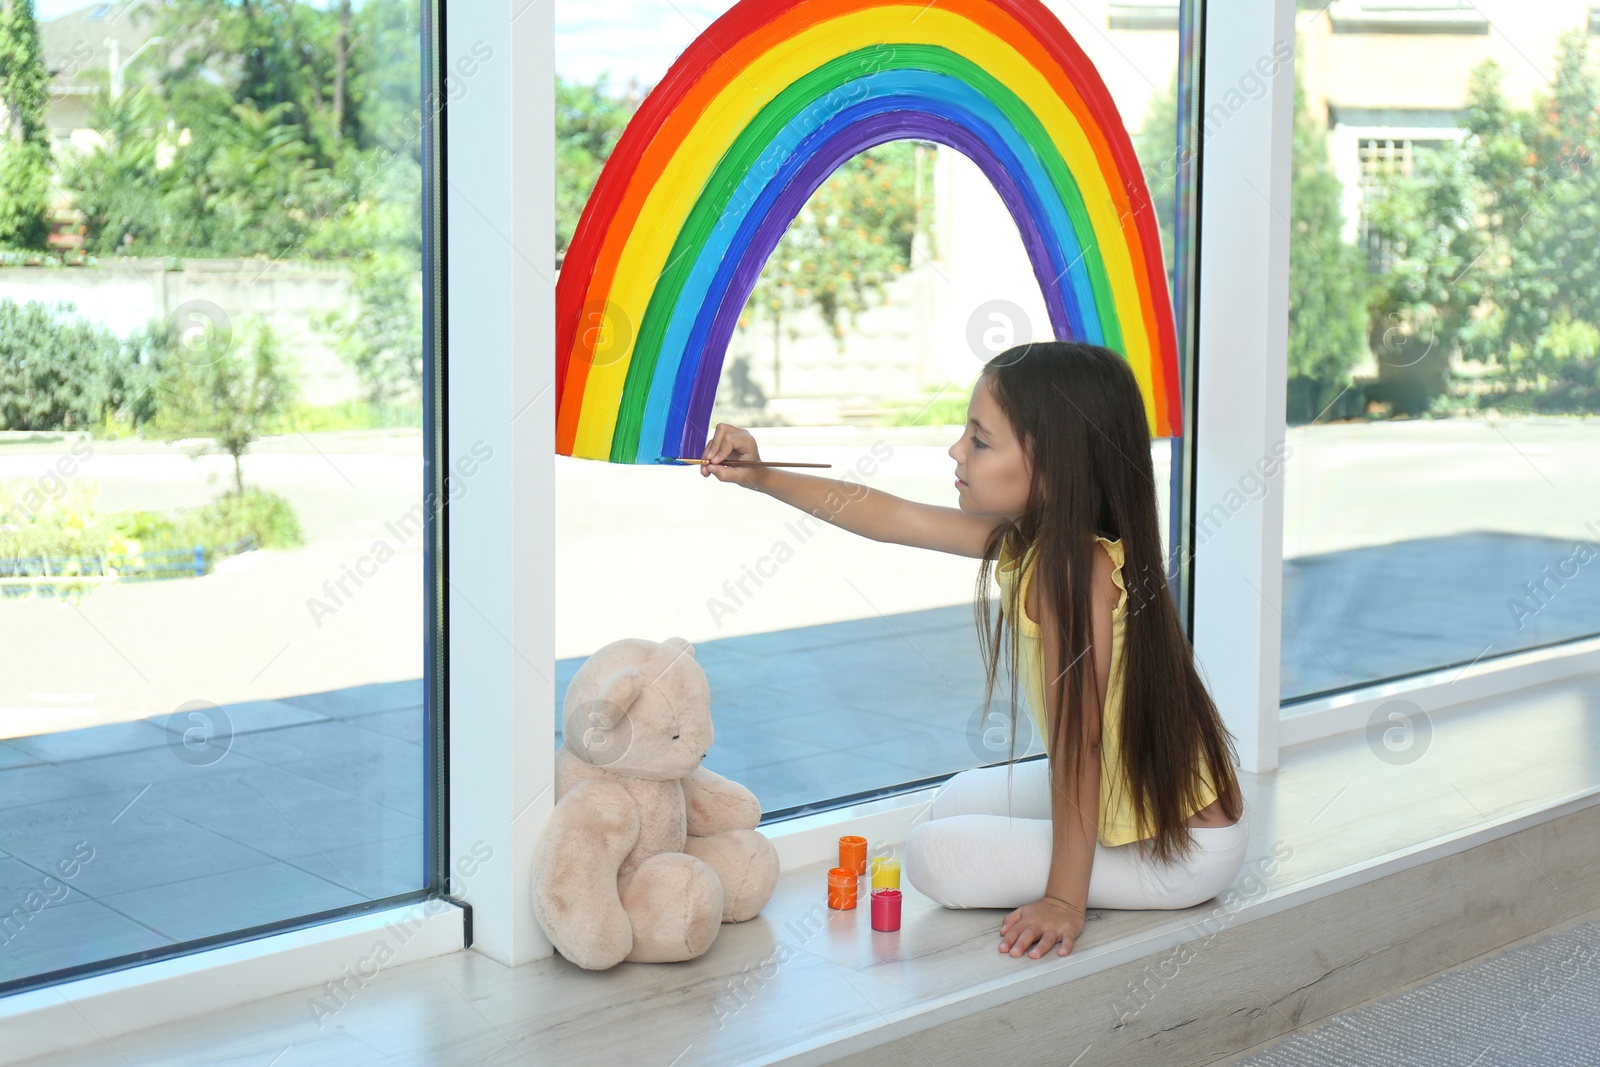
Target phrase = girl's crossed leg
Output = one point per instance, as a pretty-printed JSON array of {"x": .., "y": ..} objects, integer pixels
[{"x": 971, "y": 854}]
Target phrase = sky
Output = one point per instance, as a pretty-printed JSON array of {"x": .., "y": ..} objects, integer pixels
[
  {"x": 641, "y": 39},
  {"x": 45, "y": 10},
  {"x": 629, "y": 38}
]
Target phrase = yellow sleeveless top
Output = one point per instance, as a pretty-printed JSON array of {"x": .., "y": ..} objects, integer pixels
[{"x": 1118, "y": 825}]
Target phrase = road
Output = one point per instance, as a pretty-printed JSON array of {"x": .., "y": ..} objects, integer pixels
[{"x": 656, "y": 551}]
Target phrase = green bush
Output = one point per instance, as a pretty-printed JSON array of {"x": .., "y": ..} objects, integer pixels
[
  {"x": 62, "y": 536},
  {"x": 267, "y": 517},
  {"x": 51, "y": 367},
  {"x": 948, "y": 410},
  {"x": 350, "y": 415},
  {"x": 142, "y": 526},
  {"x": 34, "y": 524}
]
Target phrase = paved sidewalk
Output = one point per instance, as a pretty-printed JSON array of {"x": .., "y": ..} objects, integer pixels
[
  {"x": 1367, "y": 614},
  {"x": 119, "y": 838}
]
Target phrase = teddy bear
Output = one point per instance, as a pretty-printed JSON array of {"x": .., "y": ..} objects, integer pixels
[{"x": 647, "y": 852}]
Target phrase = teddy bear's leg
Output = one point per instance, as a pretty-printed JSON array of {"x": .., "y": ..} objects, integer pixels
[
  {"x": 747, "y": 865},
  {"x": 594, "y": 827},
  {"x": 675, "y": 905}
]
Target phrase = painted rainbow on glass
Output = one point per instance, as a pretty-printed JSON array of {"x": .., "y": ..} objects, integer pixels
[{"x": 750, "y": 121}]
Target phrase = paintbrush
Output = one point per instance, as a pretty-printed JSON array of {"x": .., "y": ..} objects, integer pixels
[{"x": 742, "y": 462}]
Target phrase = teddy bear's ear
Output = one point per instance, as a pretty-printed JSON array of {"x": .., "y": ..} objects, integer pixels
[
  {"x": 679, "y": 643},
  {"x": 616, "y": 697}
]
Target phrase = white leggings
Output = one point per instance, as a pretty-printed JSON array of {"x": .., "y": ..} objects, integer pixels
[{"x": 970, "y": 854}]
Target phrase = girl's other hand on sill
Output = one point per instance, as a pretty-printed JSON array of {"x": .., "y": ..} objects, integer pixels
[{"x": 1044, "y": 922}]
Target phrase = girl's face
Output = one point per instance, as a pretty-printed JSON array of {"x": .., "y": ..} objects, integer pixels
[{"x": 993, "y": 474}]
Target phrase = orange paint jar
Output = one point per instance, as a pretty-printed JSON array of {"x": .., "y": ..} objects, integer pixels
[
  {"x": 853, "y": 853},
  {"x": 841, "y": 888}
]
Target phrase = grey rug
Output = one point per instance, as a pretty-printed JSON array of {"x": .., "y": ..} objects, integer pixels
[{"x": 1537, "y": 1005}]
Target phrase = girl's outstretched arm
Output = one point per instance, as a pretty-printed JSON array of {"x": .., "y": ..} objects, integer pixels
[
  {"x": 850, "y": 505},
  {"x": 879, "y": 515}
]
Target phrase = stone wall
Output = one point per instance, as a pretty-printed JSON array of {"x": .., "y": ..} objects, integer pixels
[{"x": 123, "y": 294}]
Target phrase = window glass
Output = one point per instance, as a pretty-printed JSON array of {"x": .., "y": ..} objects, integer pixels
[
  {"x": 839, "y": 666},
  {"x": 212, "y": 510},
  {"x": 1444, "y": 339}
]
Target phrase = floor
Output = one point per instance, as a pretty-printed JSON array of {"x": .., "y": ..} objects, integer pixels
[
  {"x": 800, "y": 972},
  {"x": 1529, "y": 1006}
]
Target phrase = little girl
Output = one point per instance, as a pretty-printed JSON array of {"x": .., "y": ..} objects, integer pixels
[{"x": 1136, "y": 804}]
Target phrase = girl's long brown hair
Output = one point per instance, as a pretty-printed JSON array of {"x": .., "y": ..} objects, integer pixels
[{"x": 1077, "y": 411}]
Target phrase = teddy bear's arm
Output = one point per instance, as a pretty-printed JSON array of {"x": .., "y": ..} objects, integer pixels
[{"x": 713, "y": 804}]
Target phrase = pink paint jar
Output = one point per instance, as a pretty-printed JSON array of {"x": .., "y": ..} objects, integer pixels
[{"x": 886, "y": 909}]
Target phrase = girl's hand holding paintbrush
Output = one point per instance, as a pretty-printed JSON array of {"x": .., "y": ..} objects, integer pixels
[
  {"x": 731, "y": 448},
  {"x": 730, "y": 443}
]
